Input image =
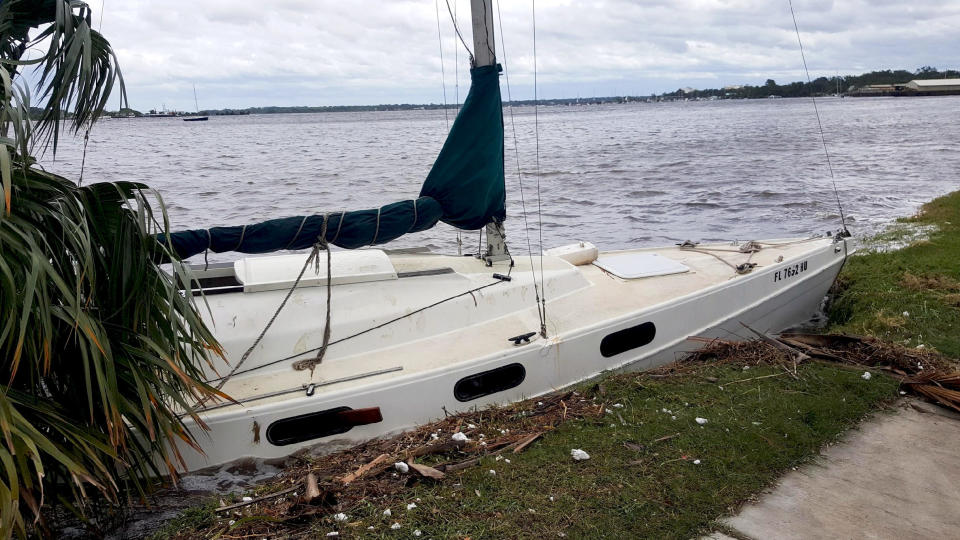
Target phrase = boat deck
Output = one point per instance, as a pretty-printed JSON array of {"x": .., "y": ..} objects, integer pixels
[{"x": 470, "y": 325}]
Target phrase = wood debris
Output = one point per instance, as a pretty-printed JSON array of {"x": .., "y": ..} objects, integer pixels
[{"x": 426, "y": 471}]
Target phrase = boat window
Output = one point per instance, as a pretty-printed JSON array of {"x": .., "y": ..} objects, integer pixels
[
  {"x": 489, "y": 382},
  {"x": 324, "y": 423},
  {"x": 629, "y": 338}
]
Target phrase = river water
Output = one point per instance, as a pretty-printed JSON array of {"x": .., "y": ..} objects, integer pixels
[{"x": 637, "y": 174}]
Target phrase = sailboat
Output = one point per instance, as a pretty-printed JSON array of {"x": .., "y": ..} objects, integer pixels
[
  {"x": 196, "y": 107},
  {"x": 334, "y": 347}
]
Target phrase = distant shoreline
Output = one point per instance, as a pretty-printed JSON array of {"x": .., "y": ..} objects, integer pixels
[
  {"x": 609, "y": 100},
  {"x": 863, "y": 85}
]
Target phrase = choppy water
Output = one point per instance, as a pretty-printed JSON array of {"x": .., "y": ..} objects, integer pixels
[{"x": 617, "y": 175}]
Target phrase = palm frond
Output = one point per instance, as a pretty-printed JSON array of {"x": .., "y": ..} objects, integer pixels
[{"x": 103, "y": 350}]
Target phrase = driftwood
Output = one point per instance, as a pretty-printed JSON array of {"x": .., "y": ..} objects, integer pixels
[
  {"x": 426, "y": 471},
  {"x": 943, "y": 388},
  {"x": 757, "y": 378},
  {"x": 364, "y": 469},
  {"x": 273, "y": 495},
  {"x": 440, "y": 448},
  {"x": 518, "y": 445},
  {"x": 311, "y": 490},
  {"x": 664, "y": 438},
  {"x": 522, "y": 445},
  {"x": 797, "y": 355}
]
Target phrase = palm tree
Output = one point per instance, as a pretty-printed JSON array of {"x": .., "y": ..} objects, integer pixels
[{"x": 100, "y": 347}]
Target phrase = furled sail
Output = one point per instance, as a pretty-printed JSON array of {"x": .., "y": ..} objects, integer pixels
[
  {"x": 467, "y": 178},
  {"x": 465, "y": 188}
]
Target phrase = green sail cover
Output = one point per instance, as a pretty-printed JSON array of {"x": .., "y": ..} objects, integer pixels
[
  {"x": 465, "y": 188},
  {"x": 467, "y": 178},
  {"x": 348, "y": 230}
]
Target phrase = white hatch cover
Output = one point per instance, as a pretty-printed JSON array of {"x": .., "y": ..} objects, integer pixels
[
  {"x": 639, "y": 265},
  {"x": 280, "y": 271}
]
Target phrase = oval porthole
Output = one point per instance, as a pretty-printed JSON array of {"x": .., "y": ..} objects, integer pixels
[
  {"x": 489, "y": 382},
  {"x": 624, "y": 340},
  {"x": 306, "y": 427}
]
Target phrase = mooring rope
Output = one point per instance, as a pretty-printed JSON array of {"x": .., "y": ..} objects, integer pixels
[
  {"x": 312, "y": 363},
  {"x": 320, "y": 244}
]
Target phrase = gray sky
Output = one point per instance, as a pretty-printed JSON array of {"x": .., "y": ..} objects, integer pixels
[{"x": 243, "y": 53}]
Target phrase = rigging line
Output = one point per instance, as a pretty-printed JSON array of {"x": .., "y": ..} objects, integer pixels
[
  {"x": 103, "y": 7},
  {"x": 823, "y": 139},
  {"x": 86, "y": 135},
  {"x": 360, "y": 333},
  {"x": 516, "y": 151},
  {"x": 314, "y": 254},
  {"x": 536, "y": 129},
  {"x": 457, "y": 29},
  {"x": 443, "y": 81},
  {"x": 456, "y": 64},
  {"x": 83, "y": 159},
  {"x": 443, "y": 75}
]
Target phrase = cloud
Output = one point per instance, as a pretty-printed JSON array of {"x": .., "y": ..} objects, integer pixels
[{"x": 243, "y": 53}]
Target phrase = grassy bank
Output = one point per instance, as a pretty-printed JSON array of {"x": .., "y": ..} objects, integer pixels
[
  {"x": 909, "y": 295},
  {"x": 642, "y": 479}
]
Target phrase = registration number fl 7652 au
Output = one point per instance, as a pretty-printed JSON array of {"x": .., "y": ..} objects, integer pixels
[{"x": 789, "y": 271}]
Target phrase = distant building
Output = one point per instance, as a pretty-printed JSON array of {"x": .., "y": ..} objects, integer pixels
[
  {"x": 877, "y": 90},
  {"x": 916, "y": 87},
  {"x": 932, "y": 87}
]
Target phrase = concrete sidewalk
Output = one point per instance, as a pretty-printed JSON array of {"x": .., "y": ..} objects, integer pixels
[{"x": 897, "y": 476}]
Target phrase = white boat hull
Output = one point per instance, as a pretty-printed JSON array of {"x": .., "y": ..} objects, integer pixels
[{"x": 411, "y": 372}]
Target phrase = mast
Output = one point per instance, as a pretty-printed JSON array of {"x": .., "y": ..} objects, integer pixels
[
  {"x": 484, "y": 54},
  {"x": 196, "y": 105},
  {"x": 483, "y": 45}
]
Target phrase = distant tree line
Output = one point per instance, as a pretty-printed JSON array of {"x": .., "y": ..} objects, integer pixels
[{"x": 818, "y": 87}]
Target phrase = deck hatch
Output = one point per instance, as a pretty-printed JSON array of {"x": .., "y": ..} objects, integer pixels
[
  {"x": 640, "y": 265},
  {"x": 489, "y": 382},
  {"x": 624, "y": 340},
  {"x": 306, "y": 427}
]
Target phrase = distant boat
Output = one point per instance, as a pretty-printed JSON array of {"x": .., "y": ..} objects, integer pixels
[{"x": 196, "y": 108}]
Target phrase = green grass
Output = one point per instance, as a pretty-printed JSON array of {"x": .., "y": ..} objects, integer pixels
[
  {"x": 911, "y": 295},
  {"x": 756, "y": 430}
]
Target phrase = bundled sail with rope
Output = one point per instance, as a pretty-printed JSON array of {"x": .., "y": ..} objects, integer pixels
[{"x": 465, "y": 189}]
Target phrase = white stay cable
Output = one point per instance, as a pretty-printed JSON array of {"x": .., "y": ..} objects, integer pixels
[
  {"x": 443, "y": 75},
  {"x": 516, "y": 152},
  {"x": 823, "y": 139},
  {"x": 536, "y": 129}
]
